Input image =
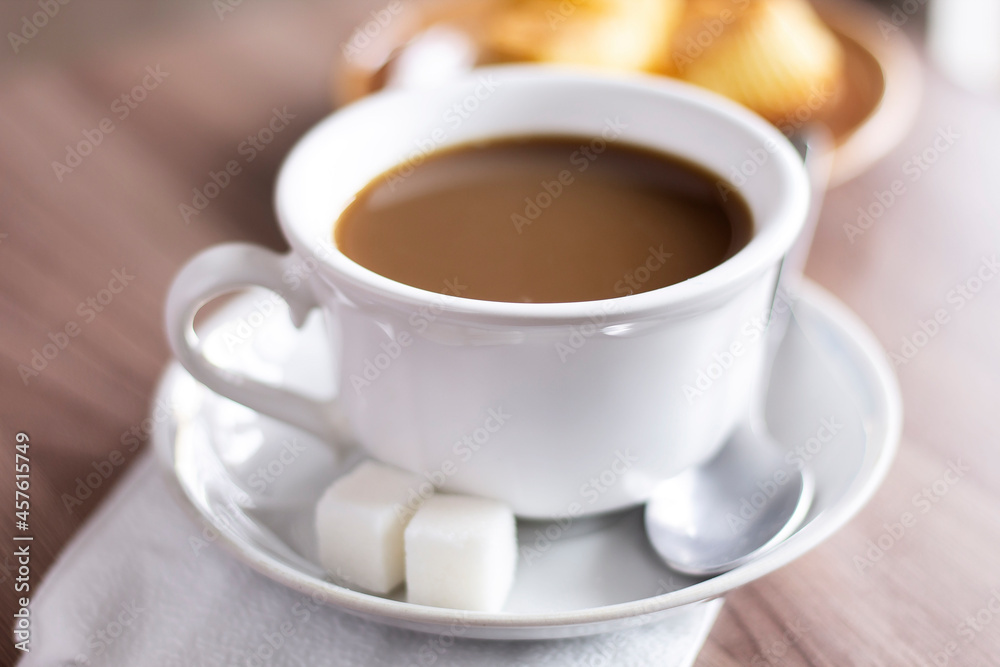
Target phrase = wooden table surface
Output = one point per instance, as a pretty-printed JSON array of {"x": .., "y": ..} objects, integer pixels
[{"x": 935, "y": 590}]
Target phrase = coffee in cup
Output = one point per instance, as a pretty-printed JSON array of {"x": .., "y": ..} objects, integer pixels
[{"x": 544, "y": 219}]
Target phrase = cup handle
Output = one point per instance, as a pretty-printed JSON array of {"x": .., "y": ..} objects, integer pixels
[{"x": 218, "y": 271}]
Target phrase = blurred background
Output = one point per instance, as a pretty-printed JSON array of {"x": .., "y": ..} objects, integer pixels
[{"x": 182, "y": 85}]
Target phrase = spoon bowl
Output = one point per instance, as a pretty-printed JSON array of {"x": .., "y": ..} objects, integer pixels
[{"x": 718, "y": 516}]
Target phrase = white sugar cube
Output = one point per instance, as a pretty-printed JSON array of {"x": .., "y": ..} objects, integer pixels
[
  {"x": 360, "y": 522},
  {"x": 461, "y": 553}
]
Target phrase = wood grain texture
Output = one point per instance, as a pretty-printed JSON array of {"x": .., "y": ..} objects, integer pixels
[{"x": 61, "y": 241}]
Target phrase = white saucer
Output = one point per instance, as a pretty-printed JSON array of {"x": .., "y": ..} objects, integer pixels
[{"x": 596, "y": 576}]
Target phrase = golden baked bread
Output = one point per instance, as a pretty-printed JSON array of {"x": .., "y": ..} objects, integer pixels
[
  {"x": 618, "y": 34},
  {"x": 774, "y": 56}
]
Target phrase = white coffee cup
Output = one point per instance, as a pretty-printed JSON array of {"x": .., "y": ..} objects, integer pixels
[{"x": 562, "y": 409}]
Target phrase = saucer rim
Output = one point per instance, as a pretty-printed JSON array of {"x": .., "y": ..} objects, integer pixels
[{"x": 877, "y": 460}]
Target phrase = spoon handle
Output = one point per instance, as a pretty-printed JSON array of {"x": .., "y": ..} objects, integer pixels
[{"x": 814, "y": 144}]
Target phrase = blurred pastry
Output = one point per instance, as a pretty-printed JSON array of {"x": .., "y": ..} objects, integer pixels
[
  {"x": 617, "y": 34},
  {"x": 775, "y": 56}
]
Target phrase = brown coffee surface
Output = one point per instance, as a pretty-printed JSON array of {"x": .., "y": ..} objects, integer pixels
[{"x": 543, "y": 220}]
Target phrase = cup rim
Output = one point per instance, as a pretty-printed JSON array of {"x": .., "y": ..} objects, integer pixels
[{"x": 763, "y": 251}]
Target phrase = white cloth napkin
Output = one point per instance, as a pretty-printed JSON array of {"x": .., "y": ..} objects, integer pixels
[{"x": 130, "y": 590}]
